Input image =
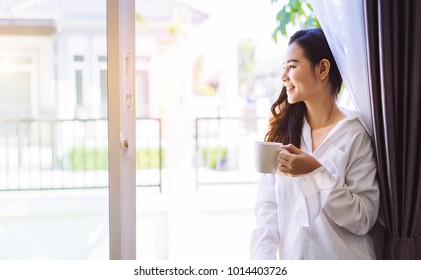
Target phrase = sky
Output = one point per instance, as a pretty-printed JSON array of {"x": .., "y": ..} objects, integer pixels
[{"x": 238, "y": 19}]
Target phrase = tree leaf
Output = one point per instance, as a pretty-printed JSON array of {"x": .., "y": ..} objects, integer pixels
[{"x": 293, "y": 13}]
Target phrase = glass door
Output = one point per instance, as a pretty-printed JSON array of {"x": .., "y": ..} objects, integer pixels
[{"x": 54, "y": 145}]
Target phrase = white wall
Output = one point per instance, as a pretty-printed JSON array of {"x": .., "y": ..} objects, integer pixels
[{"x": 39, "y": 48}]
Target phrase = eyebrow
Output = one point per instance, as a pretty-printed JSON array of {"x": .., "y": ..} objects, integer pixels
[{"x": 291, "y": 60}]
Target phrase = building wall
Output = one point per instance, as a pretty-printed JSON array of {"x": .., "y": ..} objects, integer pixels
[{"x": 39, "y": 50}]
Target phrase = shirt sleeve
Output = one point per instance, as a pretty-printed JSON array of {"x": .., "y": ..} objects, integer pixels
[
  {"x": 350, "y": 200},
  {"x": 265, "y": 238}
]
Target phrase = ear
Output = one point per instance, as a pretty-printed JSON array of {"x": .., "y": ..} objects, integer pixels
[{"x": 323, "y": 69}]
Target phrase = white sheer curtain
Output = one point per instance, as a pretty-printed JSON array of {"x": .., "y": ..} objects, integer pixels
[{"x": 344, "y": 26}]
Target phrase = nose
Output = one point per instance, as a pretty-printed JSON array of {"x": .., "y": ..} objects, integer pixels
[{"x": 284, "y": 76}]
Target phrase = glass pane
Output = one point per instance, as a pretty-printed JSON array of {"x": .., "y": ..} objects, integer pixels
[
  {"x": 53, "y": 135},
  {"x": 79, "y": 87},
  {"x": 79, "y": 58},
  {"x": 102, "y": 58},
  {"x": 142, "y": 93},
  {"x": 103, "y": 89},
  {"x": 206, "y": 77},
  {"x": 15, "y": 99}
]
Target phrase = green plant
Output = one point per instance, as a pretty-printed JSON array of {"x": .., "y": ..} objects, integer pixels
[
  {"x": 147, "y": 158},
  {"x": 83, "y": 158},
  {"x": 214, "y": 157},
  {"x": 204, "y": 89},
  {"x": 140, "y": 21},
  {"x": 295, "y": 12}
]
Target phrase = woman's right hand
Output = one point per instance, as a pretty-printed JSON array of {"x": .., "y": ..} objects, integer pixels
[{"x": 294, "y": 162}]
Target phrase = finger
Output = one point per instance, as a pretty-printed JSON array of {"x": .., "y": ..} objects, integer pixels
[
  {"x": 292, "y": 149},
  {"x": 283, "y": 155},
  {"x": 284, "y": 170}
]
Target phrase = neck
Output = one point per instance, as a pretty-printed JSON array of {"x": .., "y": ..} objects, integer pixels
[{"x": 321, "y": 115}]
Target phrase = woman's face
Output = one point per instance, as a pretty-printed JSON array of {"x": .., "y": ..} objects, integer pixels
[{"x": 299, "y": 78}]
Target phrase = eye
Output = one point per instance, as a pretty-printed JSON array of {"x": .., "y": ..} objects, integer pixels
[{"x": 289, "y": 67}]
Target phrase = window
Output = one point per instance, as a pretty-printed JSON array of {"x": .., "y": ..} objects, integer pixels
[
  {"x": 103, "y": 92},
  {"x": 79, "y": 80},
  {"x": 79, "y": 87},
  {"x": 46, "y": 74},
  {"x": 15, "y": 86}
]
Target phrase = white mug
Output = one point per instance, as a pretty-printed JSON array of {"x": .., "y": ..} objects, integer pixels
[{"x": 266, "y": 156}]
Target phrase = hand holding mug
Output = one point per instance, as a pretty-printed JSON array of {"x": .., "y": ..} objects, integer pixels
[{"x": 294, "y": 162}]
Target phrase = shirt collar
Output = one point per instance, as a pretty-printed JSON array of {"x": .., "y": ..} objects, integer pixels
[{"x": 306, "y": 132}]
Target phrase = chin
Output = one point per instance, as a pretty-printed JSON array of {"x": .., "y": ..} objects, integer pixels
[{"x": 292, "y": 100}]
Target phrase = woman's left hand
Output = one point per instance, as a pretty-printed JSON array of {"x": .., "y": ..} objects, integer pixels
[{"x": 294, "y": 162}]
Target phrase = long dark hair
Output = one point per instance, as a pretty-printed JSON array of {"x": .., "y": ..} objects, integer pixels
[{"x": 286, "y": 123}]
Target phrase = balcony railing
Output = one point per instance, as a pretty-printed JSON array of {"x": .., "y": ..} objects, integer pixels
[
  {"x": 71, "y": 154},
  {"x": 224, "y": 150}
]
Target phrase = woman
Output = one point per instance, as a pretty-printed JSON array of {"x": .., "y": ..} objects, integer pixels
[{"x": 324, "y": 199}]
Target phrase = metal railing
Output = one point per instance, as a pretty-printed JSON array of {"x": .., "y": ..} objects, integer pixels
[
  {"x": 224, "y": 150},
  {"x": 71, "y": 154}
]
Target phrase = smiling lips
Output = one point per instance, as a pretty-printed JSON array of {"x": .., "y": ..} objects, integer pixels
[{"x": 289, "y": 88}]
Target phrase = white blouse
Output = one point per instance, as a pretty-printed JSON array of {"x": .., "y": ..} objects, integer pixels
[{"x": 327, "y": 213}]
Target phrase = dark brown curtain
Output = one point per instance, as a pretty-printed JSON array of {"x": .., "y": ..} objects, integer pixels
[{"x": 394, "y": 54}]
